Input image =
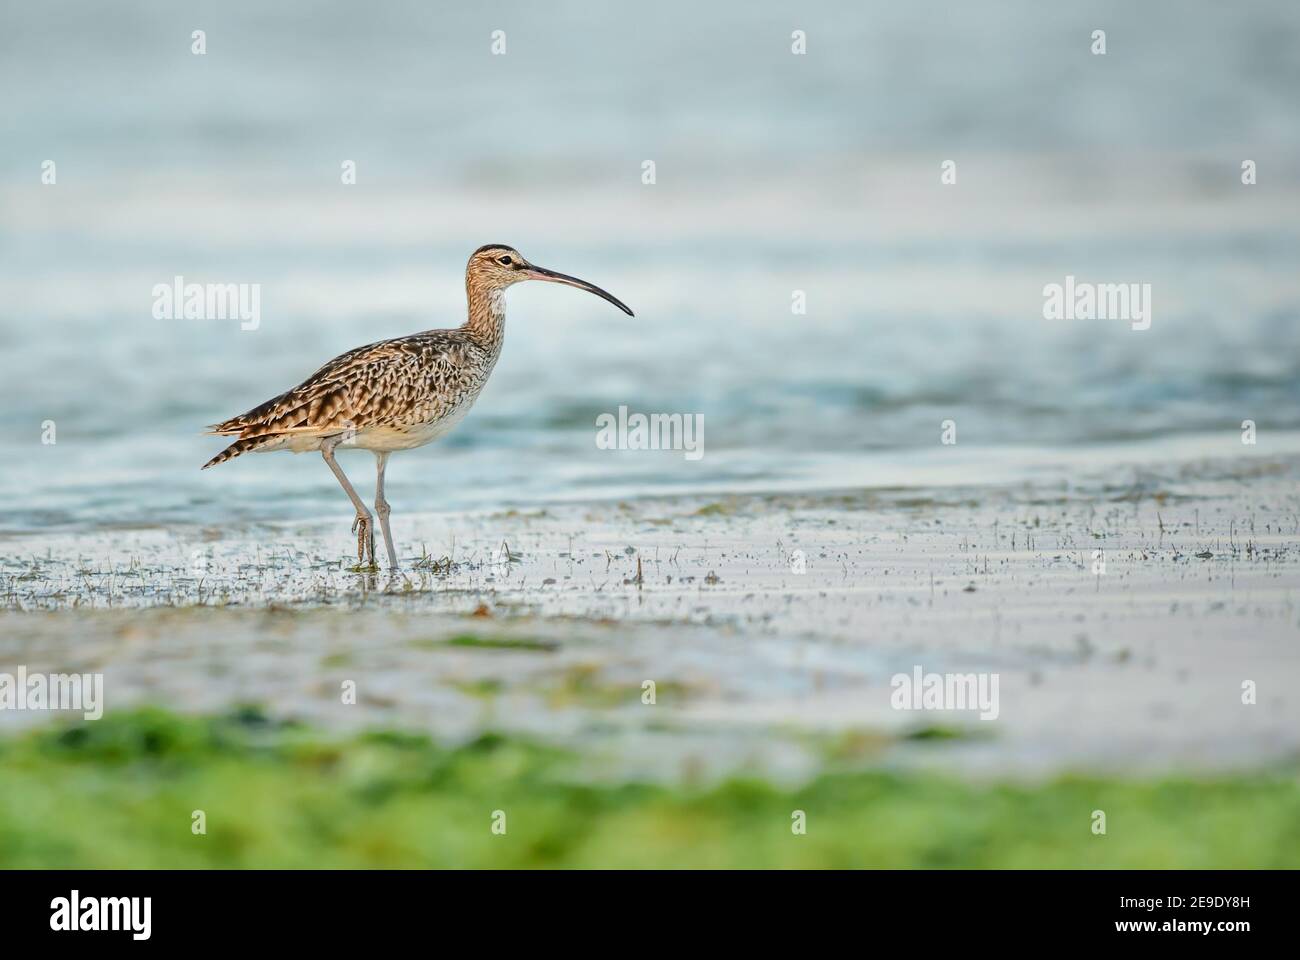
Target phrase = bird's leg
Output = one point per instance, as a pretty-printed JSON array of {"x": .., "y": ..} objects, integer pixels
[
  {"x": 363, "y": 525},
  {"x": 381, "y": 508}
]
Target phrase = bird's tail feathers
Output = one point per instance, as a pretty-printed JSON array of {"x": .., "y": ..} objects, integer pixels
[{"x": 245, "y": 445}]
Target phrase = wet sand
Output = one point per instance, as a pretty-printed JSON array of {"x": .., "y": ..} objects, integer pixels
[{"x": 770, "y": 625}]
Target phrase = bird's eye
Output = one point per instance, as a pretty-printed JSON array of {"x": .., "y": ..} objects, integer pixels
[{"x": 504, "y": 261}]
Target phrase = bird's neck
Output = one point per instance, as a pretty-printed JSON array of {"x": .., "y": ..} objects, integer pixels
[{"x": 487, "y": 315}]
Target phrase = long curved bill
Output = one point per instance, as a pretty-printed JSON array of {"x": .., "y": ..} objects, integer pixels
[{"x": 541, "y": 273}]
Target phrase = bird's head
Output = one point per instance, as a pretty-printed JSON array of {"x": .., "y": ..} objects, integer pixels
[{"x": 496, "y": 266}]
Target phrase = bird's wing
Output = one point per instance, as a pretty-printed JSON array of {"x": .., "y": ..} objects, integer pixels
[{"x": 393, "y": 382}]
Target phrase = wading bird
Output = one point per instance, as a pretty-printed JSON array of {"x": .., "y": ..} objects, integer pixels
[{"x": 395, "y": 394}]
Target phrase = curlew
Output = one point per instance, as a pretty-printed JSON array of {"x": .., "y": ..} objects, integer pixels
[{"x": 395, "y": 394}]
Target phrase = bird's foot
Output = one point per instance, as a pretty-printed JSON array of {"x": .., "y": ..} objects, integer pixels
[{"x": 364, "y": 527}]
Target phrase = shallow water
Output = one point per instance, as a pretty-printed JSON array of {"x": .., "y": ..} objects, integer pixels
[
  {"x": 772, "y": 625},
  {"x": 775, "y": 174}
]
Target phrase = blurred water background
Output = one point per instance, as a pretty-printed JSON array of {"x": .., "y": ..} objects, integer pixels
[{"x": 775, "y": 173}]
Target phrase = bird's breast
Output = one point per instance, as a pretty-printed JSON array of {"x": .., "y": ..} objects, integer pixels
[{"x": 434, "y": 410}]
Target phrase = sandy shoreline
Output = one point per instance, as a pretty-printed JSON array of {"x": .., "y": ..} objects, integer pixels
[{"x": 771, "y": 626}]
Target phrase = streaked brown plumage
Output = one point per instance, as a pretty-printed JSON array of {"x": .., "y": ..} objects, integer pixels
[
  {"x": 401, "y": 384},
  {"x": 395, "y": 394}
]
